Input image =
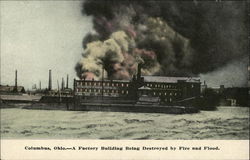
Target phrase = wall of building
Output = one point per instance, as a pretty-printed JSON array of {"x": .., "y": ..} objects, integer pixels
[
  {"x": 99, "y": 88},
  {"x": 168, "y": 92}
]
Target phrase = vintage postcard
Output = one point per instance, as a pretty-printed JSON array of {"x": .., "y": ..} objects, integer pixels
[{"x": 124, "y": 79}]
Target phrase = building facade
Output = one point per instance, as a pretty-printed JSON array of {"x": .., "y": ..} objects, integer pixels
[{"x": 168, "y": 89}]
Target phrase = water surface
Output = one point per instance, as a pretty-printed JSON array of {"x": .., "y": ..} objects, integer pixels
[{"x": 225, "y": 123}]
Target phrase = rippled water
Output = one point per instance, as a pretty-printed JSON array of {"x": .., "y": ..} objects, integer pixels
[{"x": 225, "y": 123}]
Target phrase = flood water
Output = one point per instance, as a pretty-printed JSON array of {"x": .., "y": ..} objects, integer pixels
[{"x": 226, "y": 123}]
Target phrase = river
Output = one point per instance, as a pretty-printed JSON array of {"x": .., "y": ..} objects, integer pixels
[{"x": 226, "y": 123}]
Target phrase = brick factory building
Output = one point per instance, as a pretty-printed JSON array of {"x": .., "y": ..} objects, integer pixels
[{"x": 168, "y": 89}]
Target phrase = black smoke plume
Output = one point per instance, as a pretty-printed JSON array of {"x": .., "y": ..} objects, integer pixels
[{"x": 171, "y": 38}]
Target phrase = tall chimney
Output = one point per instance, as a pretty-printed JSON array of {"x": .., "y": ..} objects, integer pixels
[
  {"x": 40, "y": 85},
  {"x": 62, "y": 88},
  {"x": 15, "y": 88},
  {"x": 50, "y": 81},
  {"x": 67, "y": 84},
  {"x": 16, "y": 80}
]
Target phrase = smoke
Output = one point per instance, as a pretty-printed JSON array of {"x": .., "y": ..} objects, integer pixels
[
  {"x": 228, "y": 75},
  {"x": 170, "y": 38}
]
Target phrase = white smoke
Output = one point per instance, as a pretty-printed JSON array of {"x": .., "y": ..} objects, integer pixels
[{"x": 233, "y": 74}]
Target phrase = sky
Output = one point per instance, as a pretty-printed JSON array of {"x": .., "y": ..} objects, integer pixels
[{"x": 40, "y": 35}]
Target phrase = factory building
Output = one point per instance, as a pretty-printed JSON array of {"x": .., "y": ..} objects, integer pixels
[
  {"x": 6, "y": 89},
  {"x": 168, "y": 89}
]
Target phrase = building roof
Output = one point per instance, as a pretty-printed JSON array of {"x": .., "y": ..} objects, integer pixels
[
  {"x": 23, "y": 97},
  {"x": 105, "y": 80},
  {"x": 161, "y": 79}
]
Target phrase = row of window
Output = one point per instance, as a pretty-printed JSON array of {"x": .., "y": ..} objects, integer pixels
[
  {"x": 104, "y": 91},
  {"x": 104, "y": 84},
  {"x": 155, "y": 85},
  {"x": 160, "y": 93},
  {"x": 152, "y": 85},
  {"x": 164, "y": 94},
  {"x": 126, "y": 92}
]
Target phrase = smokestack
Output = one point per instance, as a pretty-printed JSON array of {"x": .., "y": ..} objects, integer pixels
[
  {"x": 15, "y": 88},
  {"x": 67, "y": 85},
  {"x": 40, "y": 85},
  {"x": 62, "y": 87},
  {"x": 16, "y": 80},
  {"x": 50, "y": 81}
]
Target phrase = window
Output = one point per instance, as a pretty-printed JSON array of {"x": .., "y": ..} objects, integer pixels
[{"x": 122, "y": 84}]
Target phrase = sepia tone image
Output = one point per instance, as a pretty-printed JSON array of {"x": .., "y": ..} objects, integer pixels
[{"x": 123, "y": 69}]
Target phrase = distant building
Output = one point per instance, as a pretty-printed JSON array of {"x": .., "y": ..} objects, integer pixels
[
  {"x": 236, "y": 95},
  {"x": 5, "y": 89}
]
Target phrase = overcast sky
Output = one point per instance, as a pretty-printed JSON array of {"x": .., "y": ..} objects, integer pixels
[{"x": 40, "y": 35}]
